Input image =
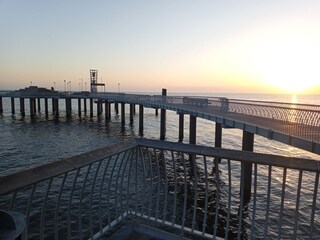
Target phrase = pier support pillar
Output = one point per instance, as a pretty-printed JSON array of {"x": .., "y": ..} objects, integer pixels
[
  {"x": 134, "y": 109},
  {"x": 141, "y": 120},
  {"x": 22, "y": 108},
  {"x": 193, "y": 129},
  {"x": 46, "y": 107},
  {"x": 116, "y": 107},
  {"x": 33, "y": 107},
  {"x": 79, "y": 107},
  {"x": 53, "y": 110},
  {"x": 123, "y": 112},
  {"x": 1, "y": 106},
  {"x": 107, "y": 110},
  {"x": 246, "y": 168},
  {"x": 39, "y": 105},
  {"x": 156, "y": 112},
  {"x": 218, "y": 135},
  {"x": 163, "y": 117},
  {"x": 99, "y": 107},
  {"x": 192, "y": 140},
  {"x": 56, "y": 107},
  {"x": 85, "y": 106},
  {"x": 181, "y": 127},
  {"x": 131, "y": 113},
  {"x": 68, "y": 107},
  {"x": 91, "y": 107},
  {"x": 13, "y": 111}
]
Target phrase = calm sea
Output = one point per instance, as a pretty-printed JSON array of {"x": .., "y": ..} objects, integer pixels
[{"x": 26, "y": 142}]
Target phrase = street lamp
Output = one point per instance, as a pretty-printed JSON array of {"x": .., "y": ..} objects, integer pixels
[{"x": 64, "y": 85}]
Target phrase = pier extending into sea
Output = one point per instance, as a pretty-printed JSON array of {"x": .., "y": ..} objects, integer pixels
[{"x": 147, "y": 177}]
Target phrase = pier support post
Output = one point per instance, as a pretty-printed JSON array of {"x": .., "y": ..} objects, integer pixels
[
  {"x": 156, "y": 112},
  {"x": 13, "y": 111},
  {"x": 141, "y": 120},
  {"x": 192, "y": 139},
  {"x": 85, "y": 106},
  {"x": 246, "y": 168},
  {"x": 193, "y": 129},
  {"x": 56, "y": 107},
  {"x": 68, "y": 107},
  {"x": 91, "y": 107},
  {"x": 99, "y": 107},
  {"x": 39, "y": 105},
  {"x": 33, "y": 107},
  {"x": 218, "y": 135},
  {"x": 131, "y": 113},
  {"x": 107, "y": 110},
  {"x": 134, "y": 109},
  {"x": 123, "y": 111},
  {"x": 22, "y": 108},
  {"x": 46, "y": 107},
  {"x": 163, "y": 117},
  {"x": 79, "y": 107},
  {"x": 116, "y": 107},
  {"x": 53, "y": 110},
  {"x": 181, "y": 127},
  {"x": 1, "y": 106}
]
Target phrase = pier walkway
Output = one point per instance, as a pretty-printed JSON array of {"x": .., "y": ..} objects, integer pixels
[{"x": 293, "y": 124}]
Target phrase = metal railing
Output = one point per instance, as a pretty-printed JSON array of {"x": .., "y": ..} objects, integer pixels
[{"x": 158, "y": 183}]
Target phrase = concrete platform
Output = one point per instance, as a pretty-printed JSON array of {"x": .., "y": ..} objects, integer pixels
[{"x": 138, "y": 231}]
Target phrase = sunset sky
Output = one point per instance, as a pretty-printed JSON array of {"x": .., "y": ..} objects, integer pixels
[{"x": 184, "y": 46}]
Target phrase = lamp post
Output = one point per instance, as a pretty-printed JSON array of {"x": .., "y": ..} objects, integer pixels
[{"x": 64, "y": 85}]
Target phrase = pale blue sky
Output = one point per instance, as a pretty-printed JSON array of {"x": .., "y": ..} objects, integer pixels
[{"x": 205, "y": 46}]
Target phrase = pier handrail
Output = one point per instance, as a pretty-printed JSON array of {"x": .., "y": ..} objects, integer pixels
[{"x": 158, "y": 182}]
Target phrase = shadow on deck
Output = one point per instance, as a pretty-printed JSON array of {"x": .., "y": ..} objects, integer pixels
[{"x": 136, "y": 231}]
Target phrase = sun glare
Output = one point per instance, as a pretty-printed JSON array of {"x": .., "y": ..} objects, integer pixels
[{"x": 288, "y": 64}]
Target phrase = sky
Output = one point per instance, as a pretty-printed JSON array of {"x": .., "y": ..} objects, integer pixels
[{"x": 185, "y": 46}]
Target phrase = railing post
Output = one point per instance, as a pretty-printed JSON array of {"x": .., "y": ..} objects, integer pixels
[
  {"x": 141, "y": 119},
  {"x": 181, "y": 126},
  {"x": 163, "y": 117},
  {"x": 246, "y": 168}
]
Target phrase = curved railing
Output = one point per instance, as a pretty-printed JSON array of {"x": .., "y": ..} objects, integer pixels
[
  {"x": 300, "y": 120},
  {"x": 157, "y": 183}
]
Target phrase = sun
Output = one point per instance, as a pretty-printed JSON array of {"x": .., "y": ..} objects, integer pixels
[{"x": 289, "y": 64}]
